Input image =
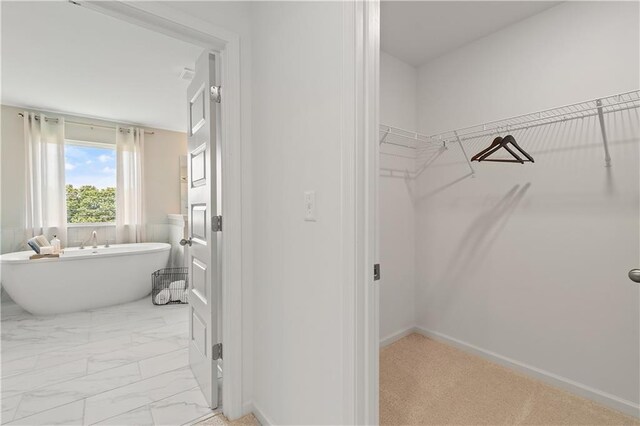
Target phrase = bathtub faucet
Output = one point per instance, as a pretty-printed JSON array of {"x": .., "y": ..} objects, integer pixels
[{"x": 94, "y": 239}]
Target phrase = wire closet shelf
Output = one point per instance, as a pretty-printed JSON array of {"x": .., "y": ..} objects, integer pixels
[{"x": 596, "y": 107}]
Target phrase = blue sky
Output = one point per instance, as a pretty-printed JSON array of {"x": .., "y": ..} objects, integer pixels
[{"x": 90, "y": 166}]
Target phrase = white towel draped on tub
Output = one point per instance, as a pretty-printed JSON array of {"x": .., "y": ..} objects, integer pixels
[
  {"x": 163, "y": 297},
  {"x": 178, "y": 291}
]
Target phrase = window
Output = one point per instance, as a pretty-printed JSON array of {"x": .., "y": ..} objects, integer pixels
[{"x": 90, "y": 177}]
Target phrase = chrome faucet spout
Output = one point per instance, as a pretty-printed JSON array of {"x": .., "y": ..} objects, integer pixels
[{"x": 94, "y": 239}]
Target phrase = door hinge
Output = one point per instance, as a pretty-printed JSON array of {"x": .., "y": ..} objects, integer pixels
[
  {"x": 376, "y": 272},
  {"x": 216, "y": 96},
  {"x": 217, "y": 351},
  {"x": 216, "y": 223}
]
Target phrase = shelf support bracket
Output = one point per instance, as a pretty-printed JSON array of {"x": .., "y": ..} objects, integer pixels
[
  {"x": 607, "y": 157},
  {"x": 466, "y": 157},
  {"x": 384, "y": 138}
]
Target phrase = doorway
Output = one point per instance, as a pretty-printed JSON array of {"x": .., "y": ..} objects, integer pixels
[
  {"x": 478, "y": 257},
  {"x": 89, "y": 343}
]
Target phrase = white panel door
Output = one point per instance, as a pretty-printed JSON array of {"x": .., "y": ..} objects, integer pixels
[{"x": 204, "y": 244}]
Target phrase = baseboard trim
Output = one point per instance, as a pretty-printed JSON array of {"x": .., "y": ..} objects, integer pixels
[
  {"x": 259, "y": 414},
  {"x": 396, "y": 336},
  {"x": 604, "y": 398}
]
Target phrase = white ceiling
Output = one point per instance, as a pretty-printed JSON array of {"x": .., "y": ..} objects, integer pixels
[
  {"x": 60, "y": 57},
  {"x": 419, "y": 31}
]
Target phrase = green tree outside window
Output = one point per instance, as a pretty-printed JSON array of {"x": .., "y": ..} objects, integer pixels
[{"x": 88, "y": 204}]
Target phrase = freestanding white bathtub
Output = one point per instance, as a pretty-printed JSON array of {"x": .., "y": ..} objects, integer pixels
[{"x": 82, "y": 278}]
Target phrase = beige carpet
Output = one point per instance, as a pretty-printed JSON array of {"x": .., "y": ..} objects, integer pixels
[
  {"x": 429, "y": 383},
  {"x": 220, "y": 420}
]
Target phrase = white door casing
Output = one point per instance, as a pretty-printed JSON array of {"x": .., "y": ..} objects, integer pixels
[{"x": 204, "y": 204}]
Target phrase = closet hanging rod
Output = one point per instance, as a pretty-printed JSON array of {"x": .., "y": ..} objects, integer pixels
[
  {"x": 513, "y": 128},
  {"x": 608, "y": 104},
  {"x": 77, "y": 123},
  {"x": 405, "y": 134},
  {"x": 616, "y": 103},
  {"x": 595, "y": 107}
]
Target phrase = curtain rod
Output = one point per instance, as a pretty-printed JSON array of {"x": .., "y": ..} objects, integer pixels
[{"x": 76, "y": 123}]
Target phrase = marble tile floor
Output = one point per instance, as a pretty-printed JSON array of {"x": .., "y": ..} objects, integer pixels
[{"x": 120, "y": 365}]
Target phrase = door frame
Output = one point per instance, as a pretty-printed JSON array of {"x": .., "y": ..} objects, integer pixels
[
  {"x": 364, "y": 347},
  {"x": 174, "y": 23}
]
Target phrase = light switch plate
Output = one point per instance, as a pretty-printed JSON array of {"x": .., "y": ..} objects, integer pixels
[{"x": 310, "y": 206}]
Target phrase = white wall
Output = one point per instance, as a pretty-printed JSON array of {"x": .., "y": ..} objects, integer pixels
[
  {"x": 398, "y": 93},
  {"x": 398, "y": 108},
  {"x": 162, "y": 179},
  {"x": 12, "y": 182},
  {"x": 530, "y": 262},
  {"x": 555, "y": 58},
  {"x": 298, "y": 106}
]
